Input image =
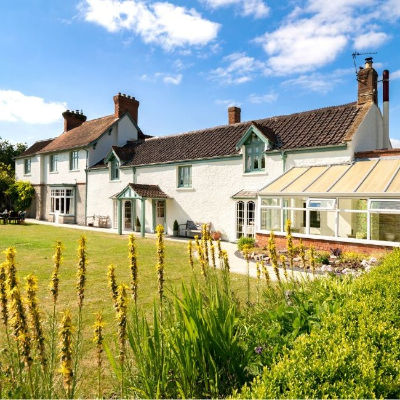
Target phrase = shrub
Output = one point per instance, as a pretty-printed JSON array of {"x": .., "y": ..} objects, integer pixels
[
  {"x": 176, "y": 225},
  {"x": 245, "y": 241},
  {"x": 355, "y": 354}
]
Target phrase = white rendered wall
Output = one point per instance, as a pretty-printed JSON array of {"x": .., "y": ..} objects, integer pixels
[
  {"x": 369, "y": 135},
  {"x": 35, "y": 177}
]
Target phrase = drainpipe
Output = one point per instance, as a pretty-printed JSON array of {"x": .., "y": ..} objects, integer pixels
[
  {"x": 86, "y": 184},
  {"x": 386, "y": 139},
  {"x": 284, "y": 157}
]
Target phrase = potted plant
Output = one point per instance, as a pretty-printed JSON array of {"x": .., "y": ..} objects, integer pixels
[
  {"x": 216, "y": 235},
  {"x": 137, "y": 225},
  {"x": 176, "y": 228}
]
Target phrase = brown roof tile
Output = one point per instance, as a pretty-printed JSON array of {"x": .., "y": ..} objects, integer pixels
[
  {"x": 322, "y": 127},
  {"x": 35, "y": 148},
  {"x": 149, "y": 191},
  {"x": 81, "y": 136}
]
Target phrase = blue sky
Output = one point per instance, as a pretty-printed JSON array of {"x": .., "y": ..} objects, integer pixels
[{"x": 188, "y": 61}]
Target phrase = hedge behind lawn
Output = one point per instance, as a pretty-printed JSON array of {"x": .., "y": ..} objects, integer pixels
[{"x": 355, "y": 354}]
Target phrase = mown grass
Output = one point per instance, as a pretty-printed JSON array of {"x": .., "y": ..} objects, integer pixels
[{"x": 35, "y": 246}]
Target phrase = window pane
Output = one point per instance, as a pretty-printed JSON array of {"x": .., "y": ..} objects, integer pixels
[
  {"x": 384, "y": 205},
  {"x": 322, "y": 223},
  {"x": 352, "y": 225},
  {"x": 385, "y": 227},
  {"x": 271, "y": 202},
  {"x": 322, "y": 203},
  {"x": 271, "y": 219}
]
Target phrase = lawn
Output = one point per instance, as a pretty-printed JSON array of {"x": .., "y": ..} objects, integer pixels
[{"x": 35, "y": 246}]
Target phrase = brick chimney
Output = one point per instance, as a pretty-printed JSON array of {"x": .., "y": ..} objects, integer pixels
[
  {"x": 73, "y": 119},
  {"x": 233, "y": 115},
  {"x": 123, "y": 104},
  {"x": 367, "y": 83}
]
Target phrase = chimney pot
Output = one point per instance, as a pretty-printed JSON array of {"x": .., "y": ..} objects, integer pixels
[
  {"x": 72, "y": 120},
  {"x": 367, "y": 84},
  {"x": 233, "y": 115},
  {"x": 125, "y": 104}
]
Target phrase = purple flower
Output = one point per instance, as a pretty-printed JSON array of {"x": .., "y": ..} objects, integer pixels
[{"x": 258, "y": 350}]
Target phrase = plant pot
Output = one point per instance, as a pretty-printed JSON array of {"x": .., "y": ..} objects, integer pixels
[
  {"x": 137, "y": 228},
  {"x": 176, "y": 233},
  {"x": 216, "y": 235}
]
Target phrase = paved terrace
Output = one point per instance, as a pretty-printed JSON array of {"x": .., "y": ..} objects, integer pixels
[{"x": 237, "y": 264}]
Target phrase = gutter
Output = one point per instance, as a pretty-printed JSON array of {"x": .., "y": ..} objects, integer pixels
[{"x": 306, "y": 149}]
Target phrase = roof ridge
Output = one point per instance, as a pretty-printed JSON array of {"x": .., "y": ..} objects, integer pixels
[{"x": 249, "y": 122}]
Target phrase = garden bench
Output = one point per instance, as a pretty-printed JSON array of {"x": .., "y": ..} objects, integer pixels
[{"x": 191, "y": 229}]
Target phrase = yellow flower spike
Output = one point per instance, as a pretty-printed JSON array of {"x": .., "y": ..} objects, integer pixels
[
  {"x": 265, "y": 272},
  {"x": 122, "y": 305},
  {"x": 112, "y": 282},
  {"x": 54, "y": 277},
  {"x": 81, "y": 273},
  {"x": 65, "y": 345},
  {"x": 34, "y": 314},
  {"x": 12, "y": 280},
  {"x": 283, "y": 263},
  {"x": 133, "y": 266},
  {"x": 3, "y": 294},
  {"x": 212, "y": 251},
  {"x": 272, "y": 255},
  {"x": 160, "y": 260},
  {"x": 225, "y": 260},
  {"x": 289, "y": 243},
  {"x": 190, "y": 252}
]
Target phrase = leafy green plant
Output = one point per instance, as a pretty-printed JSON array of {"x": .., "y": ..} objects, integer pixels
[
  {"x": 21, "y": 195},
  {"x": 245, "y": 241},
  {"x": 176, "y": 225}
]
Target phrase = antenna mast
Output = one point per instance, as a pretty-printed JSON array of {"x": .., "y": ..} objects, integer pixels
[{"x": 355, "y": 54}]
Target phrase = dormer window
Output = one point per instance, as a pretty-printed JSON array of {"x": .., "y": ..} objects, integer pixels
[
  {"x": 114, "y": 169},
  {"x": 254, "y": 154}
]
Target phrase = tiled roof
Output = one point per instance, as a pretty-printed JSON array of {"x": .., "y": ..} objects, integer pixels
[
  {"x": 149, "y": 191},
  {"x": 245, "y": 194},
  {"x": 322, "y": 127},
  {"x": 81, "y": 135},
  {"x": 35, "y": 148}
]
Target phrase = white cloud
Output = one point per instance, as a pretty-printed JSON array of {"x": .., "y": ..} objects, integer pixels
[
  {"x": 173, "y": 79},
  {"x": 314, "y": 35},
  {"x": 395, "y": 74},
  {"x": 255, "y": 8},
  {"x": 395, "y": 143},
  {"x": 227, "y": 103},
  {"x": 241, "y": 69},
  {"x": 166, "y": 78},
  {"x": 370, "y": 40},
  {"x": 264, "y": 98},
  {"x": 17, "y": 107},
  {"x": 160, "y": 23}
]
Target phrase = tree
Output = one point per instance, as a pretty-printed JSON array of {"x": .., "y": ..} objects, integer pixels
[
  {"x": 21, "y": 195},
  {"x": 9, "y": 151}
]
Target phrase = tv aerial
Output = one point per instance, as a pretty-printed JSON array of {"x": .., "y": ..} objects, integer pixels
[{"x": 356, "y": 53}]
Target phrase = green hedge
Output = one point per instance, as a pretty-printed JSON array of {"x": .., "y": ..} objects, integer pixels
[{"x": 355, "y": 354}]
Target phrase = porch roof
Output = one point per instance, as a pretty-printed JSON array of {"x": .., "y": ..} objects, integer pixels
[
  {"x": 140, "y": 191},
  {"x": 372, "y": 177}
]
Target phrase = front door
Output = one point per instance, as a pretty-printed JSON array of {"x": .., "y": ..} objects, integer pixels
[
  {"x": 159, "y": 213},
  {"x": 245, "y": 219}
]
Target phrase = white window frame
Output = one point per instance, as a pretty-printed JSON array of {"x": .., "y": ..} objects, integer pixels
[
  {"x": 54, "y": 163},
  {"x": 114, "y": 170},
  {"x": 62, "y": 200},
  {"x": 74, "y": 160},
  {"x": 27, "y": 166}
]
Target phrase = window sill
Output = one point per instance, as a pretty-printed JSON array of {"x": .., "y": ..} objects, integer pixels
[
  {"x": 185, "y": 189},
  {"x": 28, "y": 174},
  {"x": 115, "y": 180},
  {"x": 53, "y": 172},
  {"x": 252, "y": 173},
  {"x": 74, "y": 170}
]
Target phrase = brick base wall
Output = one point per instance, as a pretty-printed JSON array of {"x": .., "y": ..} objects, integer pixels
[{"x": 323, "y": 244}]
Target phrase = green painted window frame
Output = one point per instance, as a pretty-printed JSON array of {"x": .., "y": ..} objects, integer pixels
[
  {"x": 54, "y": 163},
  {"x": 254, "y": 154},
  {"x": 27, "y": 166},
  {"x": 74, "y": 160},
  {"x": 185, "y": 176},
  {"x": 114, "y": 166}
]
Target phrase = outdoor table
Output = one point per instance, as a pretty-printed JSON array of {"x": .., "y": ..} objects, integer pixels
[{"x": 3, "y": 218}]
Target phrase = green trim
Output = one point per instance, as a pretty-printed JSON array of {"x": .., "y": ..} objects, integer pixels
[
  {"x": 143, "y": 219},
  {"x": 250, "y": 130},
  {"x": 181, "y": 162},
  {"x": 119, "y": 211},
  {"x": 86, "y": 185},
  {"x": 321, "y": 149}
]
